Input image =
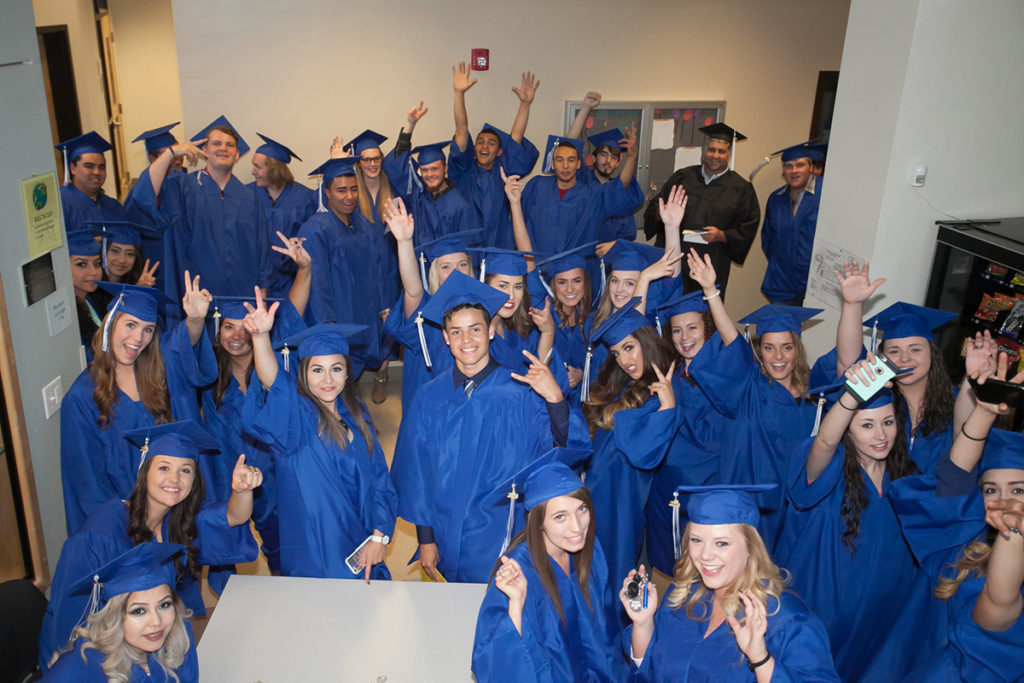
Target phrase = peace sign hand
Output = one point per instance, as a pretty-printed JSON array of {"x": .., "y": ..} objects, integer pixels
[
  {"x": 663, "y": 387},
  {"x": 148, "y": 277},
  {"x": 196, "y": 301},
  {"x": 260, "y": 319},
  {"x": 294, "y": 250},
  {"x": 541, "y": 380}
]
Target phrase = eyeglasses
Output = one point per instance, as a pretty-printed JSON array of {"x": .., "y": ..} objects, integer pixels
[{"x": 371, "y": 161}]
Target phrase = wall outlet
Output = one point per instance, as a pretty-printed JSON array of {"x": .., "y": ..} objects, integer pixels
[{"x": 52, "y": 395}]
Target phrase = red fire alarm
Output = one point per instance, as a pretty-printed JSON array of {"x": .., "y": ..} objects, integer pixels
[{"x": 479, "y": 59}]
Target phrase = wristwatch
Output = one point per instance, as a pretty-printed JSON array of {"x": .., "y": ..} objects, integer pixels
[{"x": 381, "y": 539}]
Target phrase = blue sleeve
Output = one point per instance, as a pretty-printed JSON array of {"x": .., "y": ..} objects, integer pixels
[
  {"x": 195, "y": 366},
  {"x": 643, "y": 434},
  {"x": 518, "y": 158},
  {"x": 800, "y": 647},
  {"x": 397, "y": 167},
  {"x": 499, "y": 652},
  {"x": 380, "y": 504},
  {"x": 82, "y": 461},
  {"x": 617, "y": 200},
  {"x": 320, "y": 306},
  {"x": 952, "y": 481},
  {"x": 460, "y": 161},
  {"x": 803, "y": 494},
  {"x": 219, "y": 543},
  {"x": 274, "y": 415},
  {"x": 558, "y": 415},
  {"x": 725, "y": 373}
]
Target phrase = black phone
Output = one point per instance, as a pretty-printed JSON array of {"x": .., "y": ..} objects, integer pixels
[{"x": 998, "y": 391}]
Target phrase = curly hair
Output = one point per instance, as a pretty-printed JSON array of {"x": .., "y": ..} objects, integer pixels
[
  {"x": 149, "y": 373},
  {"x": 614, "y": 390},
  {"x": 533, "y": 536},
  {"x": 520, "y": 322},
  {"x": 801, "y": 370},
  {"x": 761, "y": 576},
  {"x": 104, "y": 632},
  {"x": 182, "y": 525},
  {"x": 855, "y": 499},
  {"x": 939, "y": 399},
  {"x": 973, "y": 562},
  {"x": 329, "y": 427}
]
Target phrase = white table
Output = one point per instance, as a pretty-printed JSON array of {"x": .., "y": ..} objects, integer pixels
[{"x": 278, "y": 630}]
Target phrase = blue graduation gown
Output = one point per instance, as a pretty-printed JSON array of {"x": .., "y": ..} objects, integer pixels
[
  {"x": 345, "y": 271},
  {"x": 679, "y": 652},
  {"x": 293, "y": 207},
  {"x": 220, "y": 235},
  {"x": 403, "y": 330},
  {"x": 104, "y": 536},
  {"x": 582, "y": 649},
  {"x": 692, "y": 459},
  {"x": 787, "y": 241},
  {"x": 79, "y": 209},
  {"x": 858, "y": 595},
  {"x": 71, "y": 668},
  {"x": 559, "y": 224},
  {"x": 97, "y": 463},
  {"x": 621, "y": 227},
  {"x": 485, "y": 189},
  {"x": 454, "y": 452},
  {"x": 927, "y": 450},
  {"x": 619, "y": 478},
  {"x": 163, "y": 214},
  {"x": 329, "y": 499},
  {"x": 436, "y": 215},
  {"x": 768, "y": 423}
]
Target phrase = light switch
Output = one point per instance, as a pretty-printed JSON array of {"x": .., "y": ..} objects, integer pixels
[{"x": 52, "y": 394}]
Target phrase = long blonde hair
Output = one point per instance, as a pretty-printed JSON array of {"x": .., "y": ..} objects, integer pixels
[
  {"x": 384, "y": 194},
  {"x": 801, "y": 370},
  {"x": 104, "y": 632},
  {"x": 973, "y": 562},
  {"x": 761, "y": 576}
]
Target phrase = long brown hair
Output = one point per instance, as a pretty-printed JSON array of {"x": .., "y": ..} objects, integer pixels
[
  {"x": 384, "y": 194},
  {"x": 801, "y": 370},
  {"x": 533, "y": 536},
  {"x": 605, "y": 399},
  {"x": 520, "y": 322},
  {"x": 224, "y": 374},
  {"x": 182, "y": 527},
  {"x": 149, "y": 374},
  {"x": 583, "y": 306},
  {"x": 937, "y": 411},
  {"x": 328, "y": 427},
  {"x": 278, "y": 173}
]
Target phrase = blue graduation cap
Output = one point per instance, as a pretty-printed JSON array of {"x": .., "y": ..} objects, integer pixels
[
  {"x": 818, "y": 151},
  {"x": 368, "y": 139},
  {"x": 1004, "y": 451},
  {"x": 778, "y": 318},
  {"x": 158, "y": 138},
  {"x": 555, "y": 141},
  {"x": 825, "y": 395},
  {"x": 122, "y": 232},
  {"x": 83, "y": 243},
  {"x": 452, "y": 243},
  {"x": 801, "y": 151},
  {"x": 501, "y": 261},
  {"x": 324, "y": 339},
  {"x": 89, "y": 143},
  {"x": 903, "y": 320},
  {"x": 694, "y": 302},
  {"x": 626, "y": 255},
  {"x": 459, "y": 288},
  {"x": 428, "y": 154},
  {"x": 620, "y": 324},
  {"x": 549, "y": 476},
  {"x": 723, "y": 503},
  {"x": 275, "y": 150},
  {"x": 222, "y": 121},
  {"x": 883, "y": 397},
  {"x": 608, "y": 138},
  {"x": 502, "y": 136},
  {"x": 567, "y": 260},
  {"x": 332, "y": 168},
  {"x": 140, "y": 302},
  {"x": 143, "y": 567},
  {"x": 182, "y": 439}
]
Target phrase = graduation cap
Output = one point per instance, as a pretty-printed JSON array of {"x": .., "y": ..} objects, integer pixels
[
  {"x": 158, "y": 138},
  {"x": 275, "y": 150},
  {"x": 610, "y": 329},
  {"x": 818, "y": 152},
  {"x": 694, "y": 302},
  {"x": 452, "y": 243},
  {"x": 608, "y": 138},
  {"x": 805, "y": 150},
  {"x": 778, "y": 318},
  {"x": 324, "y": 339},
  {"x": 549, "y": 476},
  {"x": 145, "y": 566},
  {"x": 903, "y": 320},
  {"x": 723, "y": 503},
  {"x": 222, "y": 121},
  {"x": 554, "y": 141},
  {"x": 459, "y": 288},
  {"x": 182, "y": 439},
  {"x": 328, "y": 171},
  {"x": 883, "y": 397},
  {"x": 83, "y": 243},
  {"x": 825, "y": 395},
  {"x": 140, "y": 302},
  {"x": 89, "y": 143},
  {"x": 720, "y": 131},
  {"x": 501, "y": 261},
  {"x": 232, "y": 307},
  {"x": 368, "y": 139},
  {"x": 567, "y": 260},
  {"x": 122, "y": 232},
  {"x": 626, "y": 255},
  {"x": 1004, "y": 451},
  {"x": 502, "y": 136},
  {"x": 428, "y": 154}
]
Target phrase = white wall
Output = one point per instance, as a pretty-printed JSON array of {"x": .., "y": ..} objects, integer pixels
[
  {"x": 922, "y": 81},
  {"x": 307, "y": 71},
  {"x": 25, "y": 139}
]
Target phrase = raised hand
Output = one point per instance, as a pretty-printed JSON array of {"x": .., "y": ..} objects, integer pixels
[
  {"x": 509, "y": 579},
  {"x": 338, "y": 150},
  {"x": 663, "y": 267},
  {"x": 701, "y": 270},
  {"x": 513, "y": 186},
  {"x": 293, "y": 249},
  {"x": 750, "y": 634},
  {"x": 540, "y": 379},
  {"x": 981, "y": 353},
  {"x": 399, "y": 220},
  {"x": 663, "y": 387},
  {"x": 997, "y": 371},
  {"x": 461, "y": 82},
  {"x": 592, "y": 100},
  {"x": 196, "y": 301},
  {"x": 245, "y": 477},
  {"x": 673, "y": 210},
  {"x": 259, "y": 319},
  {"x": 415, "y": 114},
  {"x": 148, "y": 276},
  {"x": 629, "y": 142},
  {"x": 541, "y": 317},
  {"x": 646, "y": 614},
  {"x": 1005, "y": 515},
  {"x": 190, "y": 150},
  {"x": 527, "y": 89},
  {"x": 855, "y": 282}
]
